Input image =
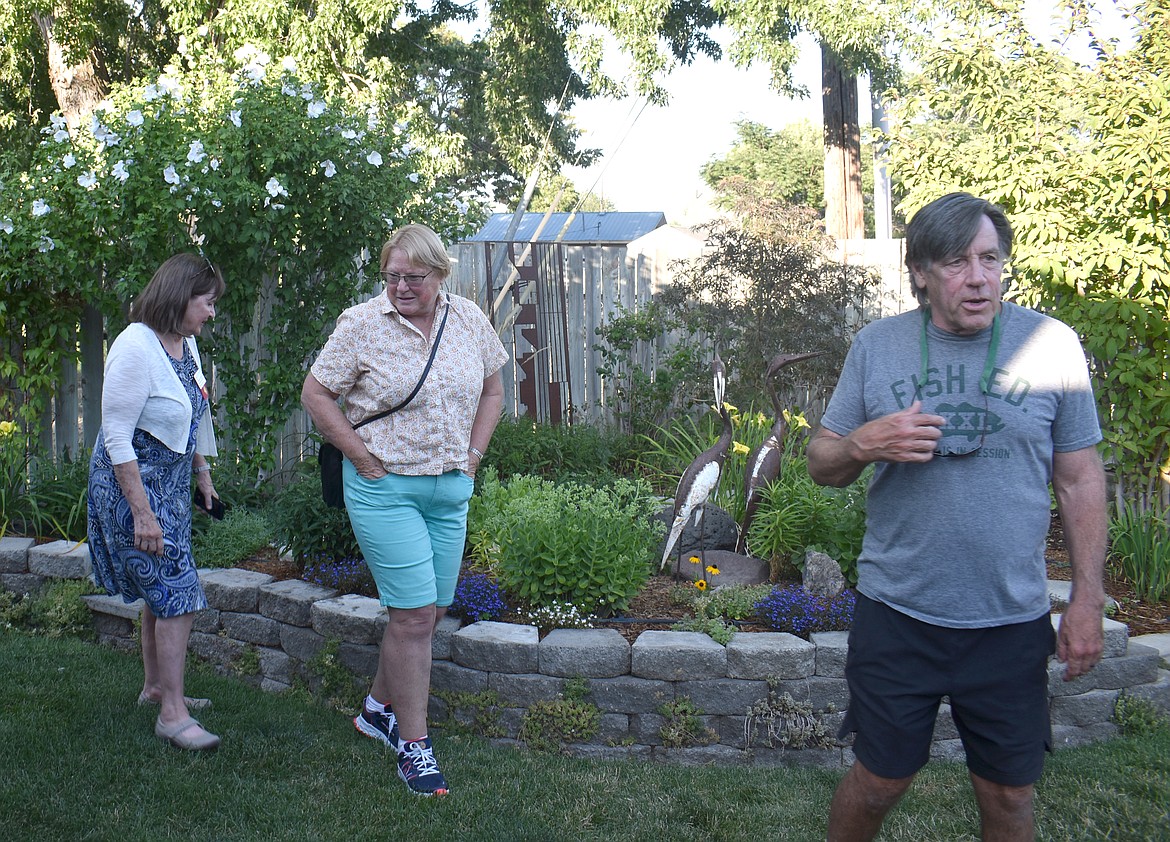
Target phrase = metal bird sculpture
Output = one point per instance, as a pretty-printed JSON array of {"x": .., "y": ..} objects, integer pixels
[
  {"x": 763, "y": 463},
  {"x": 700, "y": 480}
]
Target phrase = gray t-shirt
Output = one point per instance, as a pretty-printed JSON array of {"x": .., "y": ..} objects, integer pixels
[{"x": 960, "y": 541}]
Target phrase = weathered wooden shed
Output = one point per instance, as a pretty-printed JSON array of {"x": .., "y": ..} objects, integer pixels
[{"x": 557, "y": 279}]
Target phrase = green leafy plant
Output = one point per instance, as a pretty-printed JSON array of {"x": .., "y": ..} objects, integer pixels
[
  {"x": 471, "y": 713},
  {"x": 305, "y": 526},
  {"x": 683, "y": 726},
  {"x": 54, "y": 504},
  {"x": 558, "y": 615},
  {"x": 716, "y": 628},
  {"x": 1138, "y": 717},
  {"x": 1139, "y": 543},
  {"x": 226, "y": 542},
  {"x": 549, "y": 724},
  {"x": 331, "y": 681},
  {"x": 57, "y": 610},
  {"x": 556, "y": 451},
  {"x": 570, "y": 543},
  {"x": 786, "y": 722}
]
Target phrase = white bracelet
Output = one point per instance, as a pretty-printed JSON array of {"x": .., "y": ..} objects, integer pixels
[
  {"x": 202, "y": 469},
  {"x": 476, "y": 451}
]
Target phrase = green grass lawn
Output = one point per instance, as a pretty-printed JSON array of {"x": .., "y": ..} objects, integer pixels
[{"x": 79, "y": 761}]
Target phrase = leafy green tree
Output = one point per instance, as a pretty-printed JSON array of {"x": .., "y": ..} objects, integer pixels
[{"x": 1078, "y": 157}]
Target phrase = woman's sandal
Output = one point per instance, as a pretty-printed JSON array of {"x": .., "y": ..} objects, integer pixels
[
  {"x": 192, "y": 704},
  {"x": 178, "y": 736}
]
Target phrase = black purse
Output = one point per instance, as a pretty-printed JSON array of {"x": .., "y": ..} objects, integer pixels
[{"x": 329, "y": 457}]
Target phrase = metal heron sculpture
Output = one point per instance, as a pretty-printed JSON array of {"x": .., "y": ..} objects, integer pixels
[
  {"x": 763, "y": 463},
  {"x": 701, "y": 478}
]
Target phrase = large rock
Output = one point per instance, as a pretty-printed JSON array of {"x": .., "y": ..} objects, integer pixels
[
  {"x": 734, "y": 569},
  {"x": 719, "y": 532},
  {"x": 822, "y": 575}
]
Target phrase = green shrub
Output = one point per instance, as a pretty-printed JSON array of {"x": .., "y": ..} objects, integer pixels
[
  {"x": 1138, "y": 717},
  {"x": 41, "y": 496},
  {"x": 57, "y": 610},
  {"x": 225, "y": 542},
  {"x": 1140, "y": 545},
  {"x": 305, "y": 526},
  {"x": 570, "y": 543},
  {"x": 549, "y": 724},
  {"x": 556, "y": 452}
]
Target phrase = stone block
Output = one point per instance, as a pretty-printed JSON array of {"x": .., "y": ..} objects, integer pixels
[
  {"x": 233, "y": 589},
  {"x": 646, "y": 728},
  {"x": 275, "y": 666},
  {"x": 762, "y": 655},
  {"x": 612, "y": 728},
  {"x": 452, "y": 678},
  {"x": 497, "y": 647},
  {"x": 269, "y": 685},
  {"x": 524, "y": 690},
  {"x": 349, "y": 617},
  {"x": 1071, "y": 736},
  {"x": 218, "y": 650},
  {"x": 359, "y": 658},
  {"x": 1138, "y": 666},
  {"x": 114, "y": 606},
  {"x": 14, "y": 554},
  {"x": 818, "y": 693},
  {"x": 1084, "y": 709},
  {"x": 832, "y": 647},
  {"x": 291, "y": 601},
  {"x": 712, "y": 755},
  {"x": 677, "y": 656},
  {"x": 1157, "y": 692},
  {"x": 109, "y": 626},
  {"x": 300, "y": 644},
  {"x": 727, "y": 697},
  {"x": 60, "y": 560},
  {"x": 626, "y": 694},
  {"x": 804, "y": 758},
  {"x": 21, "y": 583},
  {"x": 639, "y": 753},
  {"x": 250, "y": 628},
  {"x": 441, "y": 642},
  {"x": 206, "y": 621},
  {"x": 597, "y": 653}
]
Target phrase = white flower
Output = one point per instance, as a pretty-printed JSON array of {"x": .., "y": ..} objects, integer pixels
[
  {"x": 152, "y": 93},
  {"x": 46, "y": 245},
  {"x": 88, "y": 180},
  {"x": 119, "y": 171},
  {"x": 214, "y": 163},
  {"x": 60, "y": 135},
  {"x": 316, "y": 109},
  {"x": 134, "y": 118},
  {"x": 170, "y": 176},
  {"x": 274, "y": 188},
  {"x": 413, "y": 177},
  {"x": 349, "y": 134},
  {"x": 196, "y": 154},
  {"x": 170, "y": 85},
  {"x": 6, "y": 225},
  {"x": 57, "y": 121},
  {"x": 217, "y": 203},
  {"x": 234, "y": 116},
  {"x": 288, "y": 90},
  {"x": 374, "y": 158},
  {"x": 288, "y": 64},
  {"x": 40, "y": 207},
  {"x": 68, "y": 161},
  {"x": 330, "y": 170},
  {"x": 255, "y": 73}
]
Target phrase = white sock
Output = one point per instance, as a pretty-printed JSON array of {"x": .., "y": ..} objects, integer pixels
[{"x": 374, "y": 705}]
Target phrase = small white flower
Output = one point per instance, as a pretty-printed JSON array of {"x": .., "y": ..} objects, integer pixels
[
  {"x": 217, "y": 203},
  {"x": 330, "y": 170},
  {"x": 60, "y": 135},
  {"x": 316, "y": 109},
  {"x": 255, "y": 73},
  {"x": 214, "y": 163},
  {"x": 374, "y": 158},
  {"x": 413, "y": 177},
  {"x": 288, "y": 64},
  {"x": 234, "y": 116},
  {"x": 68, "y": 161},
  {"x": 349, "y": 134},
  {"x": 134, "y": 118},
  {"x": 152, "y": 93},
  {"x": 46, "y": 245},
  {"x": 170, "y": 176},
  {"x": 57, "y": 121},
  {"x": 288, "y": 90},
  {"x": 88, "y": 180},
  {"x": 274, "y": 188},
  {"x": 170, "y": 85},
  {"x": 6, "y": 225},
  {"x": 196, "y": 154},
  {"x": 119, "y": 171},
  {"x": 40, "y": 207}
]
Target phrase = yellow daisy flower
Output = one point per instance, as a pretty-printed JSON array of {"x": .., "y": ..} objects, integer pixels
[
  {"x": 694, "y": 559},
  {"x": 701, "y": 585},
  {"x": 712, "y": 569},
  {"x": 739, "y": 447}
]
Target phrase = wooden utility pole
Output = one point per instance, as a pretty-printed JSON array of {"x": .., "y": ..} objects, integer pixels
[{"x": 844, "y": 208}]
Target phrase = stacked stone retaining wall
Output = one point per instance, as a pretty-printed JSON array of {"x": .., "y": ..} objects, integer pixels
[{"x": 278, "y": 628}]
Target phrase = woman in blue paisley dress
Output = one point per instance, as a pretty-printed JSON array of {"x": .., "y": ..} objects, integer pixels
[{"x": 156, "y": 430}]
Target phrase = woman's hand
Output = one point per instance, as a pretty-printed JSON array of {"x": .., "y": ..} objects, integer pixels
[
  {"x": 369, "y": 466},
  {"x": 148, "y": 536}
]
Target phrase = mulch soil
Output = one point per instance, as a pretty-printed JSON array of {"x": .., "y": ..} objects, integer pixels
[{"x": 653, "y": 609}]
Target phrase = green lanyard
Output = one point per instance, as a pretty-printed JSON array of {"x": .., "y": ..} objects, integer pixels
[{"x": 988, "y": 364}]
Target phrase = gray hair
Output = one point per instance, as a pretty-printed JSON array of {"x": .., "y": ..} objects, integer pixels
[
  {"x": 945, "y": 228},
  {"x": 422, "y": 246}
]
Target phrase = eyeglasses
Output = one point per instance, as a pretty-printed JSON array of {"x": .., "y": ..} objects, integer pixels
[{"x": 412, "y": 281}]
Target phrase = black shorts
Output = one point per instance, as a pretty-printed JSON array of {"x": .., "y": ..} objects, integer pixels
[{"x": 899, "y": 669}]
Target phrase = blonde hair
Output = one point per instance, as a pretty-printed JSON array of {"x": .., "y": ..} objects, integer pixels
[{"x": 422, "y": 246}]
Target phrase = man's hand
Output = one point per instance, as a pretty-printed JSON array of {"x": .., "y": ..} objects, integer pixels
[{"x": 1081, "y": 638}]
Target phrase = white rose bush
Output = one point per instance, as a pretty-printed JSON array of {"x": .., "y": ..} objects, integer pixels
[{"x": 290, "y": 194}]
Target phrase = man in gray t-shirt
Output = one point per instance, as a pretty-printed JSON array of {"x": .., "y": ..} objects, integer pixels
[{"x": 968, "y": 408}]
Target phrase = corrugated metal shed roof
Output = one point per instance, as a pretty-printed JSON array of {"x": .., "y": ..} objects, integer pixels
[{"x": 611, "y": 227}]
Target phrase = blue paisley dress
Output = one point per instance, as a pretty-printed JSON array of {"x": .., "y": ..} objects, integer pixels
[{"x": 168, "y": 582}]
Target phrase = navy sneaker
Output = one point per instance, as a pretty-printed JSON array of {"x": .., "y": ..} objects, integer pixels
[
  {"x": 382, "y": 727},
  {"x": 419, "y": 769}
]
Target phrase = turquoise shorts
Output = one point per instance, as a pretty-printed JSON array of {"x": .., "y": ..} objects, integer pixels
[{"x": 411, "y": 531}]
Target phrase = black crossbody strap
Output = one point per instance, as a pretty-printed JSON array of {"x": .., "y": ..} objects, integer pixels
[{"x": 421, "y": 380}]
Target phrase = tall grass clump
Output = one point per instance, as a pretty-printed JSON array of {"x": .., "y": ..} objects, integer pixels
[{"x": 1139, "y": 542}]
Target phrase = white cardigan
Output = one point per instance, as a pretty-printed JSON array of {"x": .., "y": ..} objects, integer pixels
[{"x": 142, "y": 390}]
